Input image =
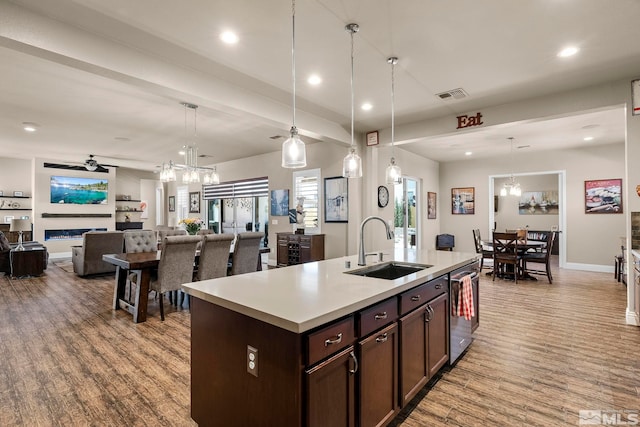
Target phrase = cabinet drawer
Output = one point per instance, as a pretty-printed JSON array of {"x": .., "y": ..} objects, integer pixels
[
  {"x": 377, "y": 316},
  {"x": 417, "y": 296},
  {"x": 330, "y": 339}
]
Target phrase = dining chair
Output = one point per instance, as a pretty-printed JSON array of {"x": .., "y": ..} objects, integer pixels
[
  {"x": 445, "y": 242},
  {"x": 542, "y": 257},
  {"x": 166, "y": 233},
  {"x": 506, "y": 252},
  {"x": 140, "y": 241},
  {"x": 246, "y": 253},
  {"x": 214, "y": 256},
  {"x": 480, "y": 249},
  {"x": 175, "y": 266}
]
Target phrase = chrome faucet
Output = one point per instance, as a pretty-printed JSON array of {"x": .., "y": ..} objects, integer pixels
[{"x": 361, "y": 255}]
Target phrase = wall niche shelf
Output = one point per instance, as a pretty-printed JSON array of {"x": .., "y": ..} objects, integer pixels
[
  {"x": 15, "y": 197},
  {"x": 130, "y": 200},
  {"x": 15, "y": 209},
  {"x": 77, "y": 215}
]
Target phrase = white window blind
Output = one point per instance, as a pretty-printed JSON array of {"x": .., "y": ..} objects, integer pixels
[
  {"x": 306, "y": 184},
  {"x": 255, "y": 187},
  {"x": 182, "y": 202}
]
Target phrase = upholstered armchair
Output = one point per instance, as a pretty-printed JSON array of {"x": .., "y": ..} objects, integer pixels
[{"x": 87, "y": 259}]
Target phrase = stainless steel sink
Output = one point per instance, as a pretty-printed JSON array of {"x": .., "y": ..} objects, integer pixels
[{"x": 389, "y": 270}]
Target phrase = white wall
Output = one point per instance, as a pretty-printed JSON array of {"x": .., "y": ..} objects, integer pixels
[{"x": 592, "y": 239}]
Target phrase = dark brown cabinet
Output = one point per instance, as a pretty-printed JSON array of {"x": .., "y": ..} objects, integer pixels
[
  {"x": 299, "y": 248},
  {"x": 330, "y": 392},
  {"x": 424, "y": 339},
  {"x": 378, "y": 377}
]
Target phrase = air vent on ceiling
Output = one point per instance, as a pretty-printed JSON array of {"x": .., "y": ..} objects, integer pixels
[
  {"x": 274, "y": 137},
  {"x": 458, "y": 93}
]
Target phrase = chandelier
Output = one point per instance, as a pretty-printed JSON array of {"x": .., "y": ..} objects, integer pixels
[
  {"x": 511, "y": 187},
  {"x": 190, "y": 170}
]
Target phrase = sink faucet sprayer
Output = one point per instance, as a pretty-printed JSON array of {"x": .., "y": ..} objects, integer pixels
[{"x": 361, "y": 256}]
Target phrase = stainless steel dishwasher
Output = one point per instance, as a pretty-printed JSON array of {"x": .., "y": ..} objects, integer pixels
[{"x": 461, "y": 329}]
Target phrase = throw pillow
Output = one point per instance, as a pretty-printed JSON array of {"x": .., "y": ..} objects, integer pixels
[{"x": 4, "y": 243}]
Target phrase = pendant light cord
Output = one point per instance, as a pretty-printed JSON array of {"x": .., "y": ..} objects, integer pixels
[
  {"x": 393, "y": 61},
  {"x": 293, "y": 59},
  {"x": 352, "y": 92}
]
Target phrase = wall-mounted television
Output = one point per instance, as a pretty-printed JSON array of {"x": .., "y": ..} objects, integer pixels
[{"x": 79, "y": 191}]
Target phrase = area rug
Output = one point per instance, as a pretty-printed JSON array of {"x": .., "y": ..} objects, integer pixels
[{"x": 64, "y": 263}]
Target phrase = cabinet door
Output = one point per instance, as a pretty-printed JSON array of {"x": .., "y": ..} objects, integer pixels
[
  {"x": 305, "y": 251},
  {"x": 283, "y": 251},
  {"x": 378, "y": 377},
  {"x": 413, "y": 353},
  {"x": 437, "y": 336},
  {"x": 330, "y": 396}
]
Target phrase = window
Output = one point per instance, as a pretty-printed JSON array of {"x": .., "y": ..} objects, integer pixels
[
  {"x": 306, "y": 186},
  {"x": 182, "y": 203}
]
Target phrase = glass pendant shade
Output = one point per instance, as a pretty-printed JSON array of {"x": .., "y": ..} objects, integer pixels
[
  {"x": 215, "y": 178},
  {"x": 352, "y": 165},
  {"x": 294, "y": 154},
  {"x": 394, "y": 174}
]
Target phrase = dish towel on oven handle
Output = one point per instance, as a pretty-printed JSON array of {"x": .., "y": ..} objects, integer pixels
[{"x": 465, "y": 299}]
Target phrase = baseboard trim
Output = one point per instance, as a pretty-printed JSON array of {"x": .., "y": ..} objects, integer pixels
[
  {"x": 589, "y": 267},
  {"x": 58, "y": 255}
]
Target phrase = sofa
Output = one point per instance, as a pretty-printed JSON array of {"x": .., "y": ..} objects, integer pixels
[{"x": 87, "y": 259}]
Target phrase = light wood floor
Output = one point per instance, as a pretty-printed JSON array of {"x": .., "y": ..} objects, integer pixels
[{"x": 542, "y": 353}]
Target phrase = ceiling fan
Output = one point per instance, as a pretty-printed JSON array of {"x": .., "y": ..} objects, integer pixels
[{"x": 92, "y": 164}]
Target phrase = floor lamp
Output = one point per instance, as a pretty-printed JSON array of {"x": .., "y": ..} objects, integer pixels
[{"x": 20, "y": 225}]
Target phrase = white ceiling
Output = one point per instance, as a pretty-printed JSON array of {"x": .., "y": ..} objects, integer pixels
[{"x": 78, "y": 81}]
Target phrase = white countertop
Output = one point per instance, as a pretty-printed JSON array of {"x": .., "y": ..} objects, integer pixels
[{"x": 301, "y": 297}]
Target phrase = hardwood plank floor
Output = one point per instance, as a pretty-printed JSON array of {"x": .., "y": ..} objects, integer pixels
[{"x": 542, "y": 353}]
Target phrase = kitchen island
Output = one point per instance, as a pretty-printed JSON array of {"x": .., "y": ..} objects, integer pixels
[{"x": 265, "y": 345}]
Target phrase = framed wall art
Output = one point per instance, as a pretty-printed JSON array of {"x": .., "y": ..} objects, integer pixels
[
  {"x": 279, "y": 202},
  {"x": 603, "y": 196},
  {"x": 194, "y": 202},
  {"x": 463, "y": 201},
  {"x": 431, "y": 205},
  {"x": 336, "y": 198},
  {"x": 172, "y": 203}
]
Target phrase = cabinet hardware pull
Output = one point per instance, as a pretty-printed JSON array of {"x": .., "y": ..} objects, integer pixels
[
  {"x": 382, "y": 338},
  {"x": 439, "y": 286},
  {"x": 337, "y": 340},
  {"x": 382, "y": 315},
  {"x": 415, "y": 298},
  {"x": 355, "y": 363},
  {"x": 430, "y": 313}
]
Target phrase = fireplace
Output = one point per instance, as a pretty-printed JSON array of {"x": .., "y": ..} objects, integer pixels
[{"x": 68, "y": 234}]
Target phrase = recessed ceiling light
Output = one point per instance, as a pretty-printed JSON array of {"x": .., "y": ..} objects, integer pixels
[
  {"x": 568, "y": 51},
  {"x": 181, "y": 152},
  {"x": 229, "y": 37},
  {"x": 588, "y": 138},
  {"x": 366, "y": 106},
  {"x": 314, "y": 80},
  {"x": 468, "y": 153},
  {"x": 29, "y": 126}
]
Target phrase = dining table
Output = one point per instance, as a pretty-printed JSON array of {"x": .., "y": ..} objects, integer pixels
[
  {"x": 523, "y": 247},
  {"x": 142, "y": 263}
]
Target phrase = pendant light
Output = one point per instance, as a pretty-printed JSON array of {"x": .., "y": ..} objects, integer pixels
[
  {"x": 394, "y": 174},
  {"x": 352, "y": 163},
  {"x": 294, "y": 154},
  {"x": 511, "y": 187}
]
